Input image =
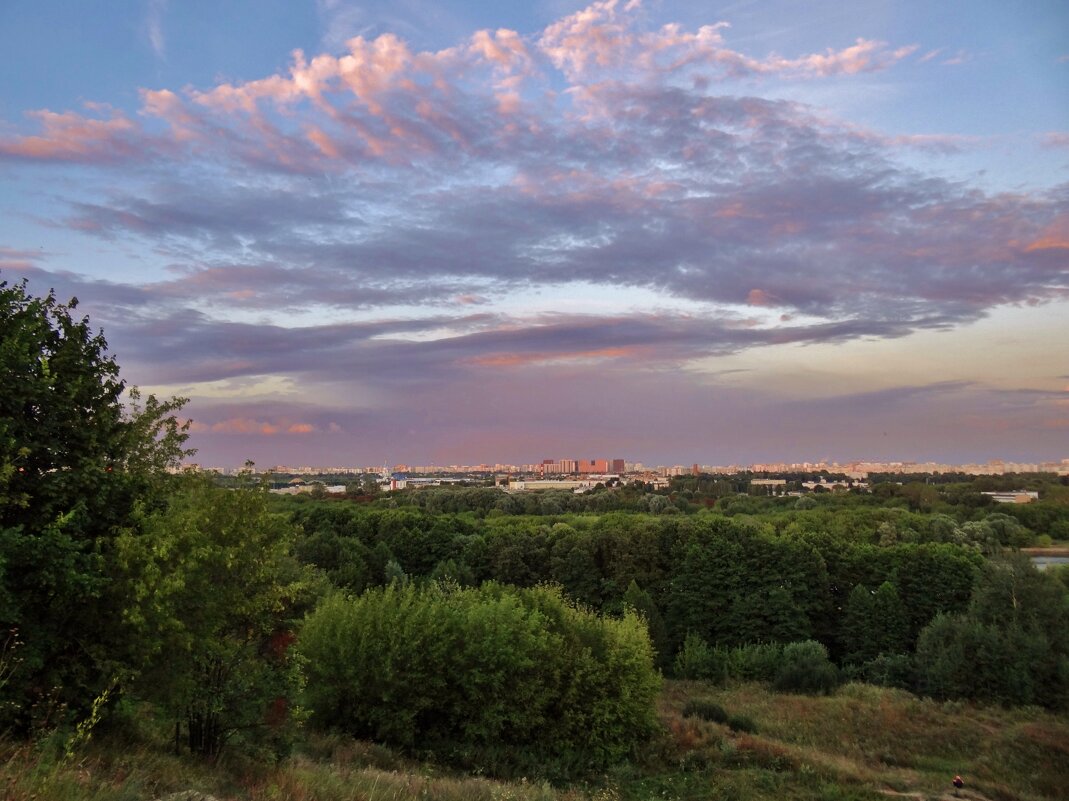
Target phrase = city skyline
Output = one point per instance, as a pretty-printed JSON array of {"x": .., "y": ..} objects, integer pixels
[
  {"x": 441, "y": 232},
  {"x": 854, "y": 468}
]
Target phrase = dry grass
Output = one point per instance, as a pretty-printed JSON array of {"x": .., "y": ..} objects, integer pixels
[
  {"x": 862, "y": 744},
  {"x": 874, "y": 740}
]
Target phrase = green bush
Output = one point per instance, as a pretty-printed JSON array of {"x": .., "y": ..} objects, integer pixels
[
  {"x": 705, "y": 710},
  {"x": 805, "y": 668},
  {"x": 714, "y": 713},
  {"x": 698, "y": 660},
  {"x": 742, "y": 723},
  {"x": 888, "y": 670},
  {"x": 493, "y": 678},
  {"x": 755, "y": 662}
]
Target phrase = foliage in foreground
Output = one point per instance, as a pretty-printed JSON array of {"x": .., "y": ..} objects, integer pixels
[
  {"x": 492, "y": 678},
  {"x": 74, "y": 465},
  {"x": 214, "y": 597}
]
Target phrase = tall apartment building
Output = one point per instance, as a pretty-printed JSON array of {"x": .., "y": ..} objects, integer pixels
[{"x": 593, "y": 466}]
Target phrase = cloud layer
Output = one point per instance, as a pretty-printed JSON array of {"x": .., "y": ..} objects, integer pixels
[{"x": 364, "y": 222}]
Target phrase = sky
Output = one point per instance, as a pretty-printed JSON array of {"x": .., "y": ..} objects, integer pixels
[{"x": 457, "y": 232}]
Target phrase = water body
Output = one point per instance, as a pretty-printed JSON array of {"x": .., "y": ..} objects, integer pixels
[{"x": 1043, "y": 562}]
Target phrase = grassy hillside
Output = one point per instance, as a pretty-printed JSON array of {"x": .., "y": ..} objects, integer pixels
[{"x": 862, "y": 743}]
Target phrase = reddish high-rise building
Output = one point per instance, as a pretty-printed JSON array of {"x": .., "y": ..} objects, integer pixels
[{"x": 593, "y": 465}]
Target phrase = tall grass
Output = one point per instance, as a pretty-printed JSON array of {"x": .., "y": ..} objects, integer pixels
[
  {"x": 866, "y": 738},
  {"x": 857, "y": 745}
]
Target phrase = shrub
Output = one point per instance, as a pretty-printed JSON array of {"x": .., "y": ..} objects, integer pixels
[
  {"x": 492, "y": 678},
  {"x": 756, "y": 662},
  {"x": 714, "y": 713},
  {"x": 742, "y": 723},
  {"x": 889, "y": 670},
  {"x": 705, "y": 710},
  {"x": 698, "y": 660},
  {"x": 805, "y": 668}
]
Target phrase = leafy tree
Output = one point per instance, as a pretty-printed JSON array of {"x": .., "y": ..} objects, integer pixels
[
  {"x": 343, "y": 559},
  {"x": 74, "y": 464},
  {"x": 978, "y": 534},
  {"x": 1011, "y": 645},
  {"x": 874, "y": 624},
  {"x": 931, "y": 579},
  {"x": 640, "y": 601},
  {"x": 767, "y": 616},
  {"x": 856, "y": 634},
  {"x": 703, "y": 588},
  {"x": 450, "y": 571},
  {"x": 1008, "y": 531},
  {"x": 942, "y": 528},
  {"x": 575, "y": 566},
  {"x": 214, "y": 590}
]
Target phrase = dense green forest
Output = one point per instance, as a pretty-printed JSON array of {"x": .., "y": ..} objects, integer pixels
[
  {"x": 867, "y": 581},
  {"x": 517, "y": 635}
]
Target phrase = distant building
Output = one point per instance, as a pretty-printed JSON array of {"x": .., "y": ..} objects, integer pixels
[
  {"x": 593, "y": 466},
  {"x": 1015, "y": 496},
  {"x": 523, "y": 485}
]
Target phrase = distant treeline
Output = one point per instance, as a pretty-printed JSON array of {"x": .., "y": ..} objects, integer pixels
[
  {"x": 851, "y": 513},
  {"x": 734, "y": 580}
]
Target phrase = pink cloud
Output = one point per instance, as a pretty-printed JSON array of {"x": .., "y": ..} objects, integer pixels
[
  {"x": 243, "y": 425},
  {"x": 512, "y": 64},
  {"x": 327, "y": 146},
  {"x": 865, "y": 55},
  {"x": 758, "y": 297},
  {"x": 73, "y": 137},
  {"x": 522, "y": 359},
  {"x": 1053, "y": 237},
  {"x": 1055, "y": 139},
  {"x": 604, "y": 36},
  {"x": 244, "y": 97},
  {"x": 504, "y": 48},
  {"x": 593, "y": 36},
  {"x": 169, "y": 107},
  {"x": 383, "y": 100},
  {"x": 372, "y": 68},
  {"x": 250, "y": 425},
  {"x": 470, "y": 300}
]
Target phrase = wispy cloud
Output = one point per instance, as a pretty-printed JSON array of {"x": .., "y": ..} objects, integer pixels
[
  {"x": 154, "y": 14},
  {"x": 1058, "y": 139}
]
